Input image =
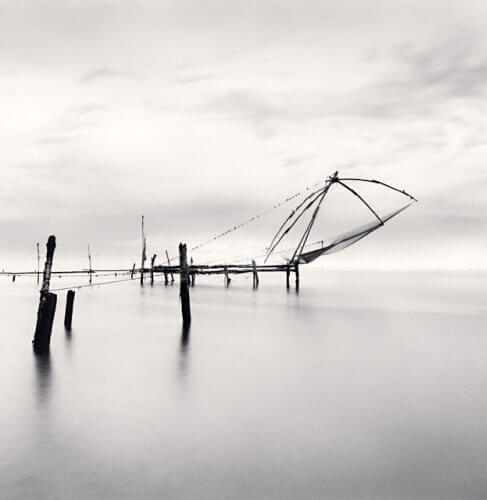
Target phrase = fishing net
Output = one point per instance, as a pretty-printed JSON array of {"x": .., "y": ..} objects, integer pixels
[{"x": 349, "y": 238}]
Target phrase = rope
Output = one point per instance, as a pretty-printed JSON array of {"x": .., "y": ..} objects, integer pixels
[
  {"x": 92, "y": 284},
  {"x": 254, "y": 218}
]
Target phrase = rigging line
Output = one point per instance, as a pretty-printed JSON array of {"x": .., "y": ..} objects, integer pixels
[
  {"x": 382, "y": 184},
  {"x": 291, "y": 215},
  {"x": 92, "y": 284},
  {"x": 361, "y": 199},
  {"x": 283, "y": 234},
  {"x": 306, "y": 234},
  {"x": 252, "y": 219}
]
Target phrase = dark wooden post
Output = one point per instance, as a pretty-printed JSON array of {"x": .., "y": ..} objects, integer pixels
[
  {"x": 169, "y": 263},
  {"x": 192, "y": 274},
  {"x": 47, "y": 304},
  {"x": 132, "y": 272},
  {"x": 165, "y": 278},
  {"x": 144, "y": 254},
  {"x": 255, "y": 276},
  {"x": 296, "y": 270},
  {"x": 68, "y": 315},
  {"x": 13, "y": 278},
  {"x": 184, "y": 285},
  {"x": 38, "y": 263},
  {"x": 89, "y": 263},
  {"x": 152, "y": 260},
  {"x": 288, "y": 272},
  {"x": 227, "y": 276}
]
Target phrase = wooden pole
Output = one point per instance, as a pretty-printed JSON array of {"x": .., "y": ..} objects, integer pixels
[
  {"x": 13, "y": 278},
  {"x": 144, "y": 255},
  {"x": 288, "y": 272},
  {"x": 296, "y": 270},
  {"x": 227, "y": 277},
  {"x": 38, "y": 263},
  {"x": 132, "y": 272},
  {"x": 184, "y": 285},
  {"x": 152, "y": 260},
  {"x": 169, "y": 263},
  {"x": 89, "y": 262},
  {"x": 192, "y": 273},
  {"x": 68, "y": 315},
  {"x": 47, "y": 304},
  {"x": 255, "y": 276}
]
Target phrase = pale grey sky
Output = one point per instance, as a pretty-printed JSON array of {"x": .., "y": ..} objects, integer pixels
[{"x": 199, "y": 114}]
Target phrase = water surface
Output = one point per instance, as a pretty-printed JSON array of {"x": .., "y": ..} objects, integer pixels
[{"x": 362, "y": 386}]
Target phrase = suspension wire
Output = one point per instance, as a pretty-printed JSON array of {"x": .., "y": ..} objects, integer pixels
[{"x": 255, "y": 217}]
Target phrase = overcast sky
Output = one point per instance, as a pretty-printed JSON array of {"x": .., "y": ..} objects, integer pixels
[{"x": 200, "y": 114}]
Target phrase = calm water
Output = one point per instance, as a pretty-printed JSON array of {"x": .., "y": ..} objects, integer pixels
[{"x": 363, "y": 386}]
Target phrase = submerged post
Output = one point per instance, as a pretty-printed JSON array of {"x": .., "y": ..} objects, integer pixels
[
  {"x": 296, "y": 270},
  {"x": 47, "y": 304},
  {"x": 227, "y": 276},
  {"x": 255, "y": 276},
  {"x": 68, "y": 315},
  {"x": 169, "y": 263},
  {"x": 132, "y": 272},
  {"x": 152, "y": 260},
  {"x": 288, "y": 272},
  {"x": 184, "y": 284}
]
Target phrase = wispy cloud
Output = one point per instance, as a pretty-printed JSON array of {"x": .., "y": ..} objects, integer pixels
[{"x": 100, "y": 74}]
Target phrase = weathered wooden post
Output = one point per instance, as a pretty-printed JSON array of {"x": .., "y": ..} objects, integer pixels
[
  {"x": 184, "y": 285},
  {"x": 227, "y": 276},
  {"x": 47, "y": 304},
  {"x": 296, "y": 270},
  {"x": 255, "y": 276},
  {"x": 288, "y": 273},
  {"x": 132, "y": 272},
  {"x": 144, "y": 254},
  {"x": 165, "y": 278},
  {"x": 38, "y": 263},
  {"x": 152, "y": 260},
  {"x": 68, "y": 314},
  {"x": 13, "y": 278},
  {"x": 89, "y": 263},
  {"x": 169, "y": 263},
  {"x": 192, "y": 274}
]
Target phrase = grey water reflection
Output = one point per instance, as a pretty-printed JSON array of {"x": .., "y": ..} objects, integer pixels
[
  {"x": 184, "y": 350},
  {"x": 43, "y": 374}
]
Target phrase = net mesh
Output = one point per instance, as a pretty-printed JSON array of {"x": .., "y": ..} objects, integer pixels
[{"x": 349, "y": 238}]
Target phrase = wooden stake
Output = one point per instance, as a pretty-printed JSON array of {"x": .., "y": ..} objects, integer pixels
[
  {"x": 89, "y": 262},
  {"x": 296, "y": 270},
  {"x": 152, "y": 260},
  {"x": 255, "y": 276},
  {"x": 132, "y": 272},
  {"x": 47, "y": 304},
  {"x": 192, "y": 273},
  {"x": 68, "y": 315},
  {"x": 38, "y": 263},
  {"x": 184, "y": 285},
  {"x": 144, "y": 255},
  {"x": 227, "y": 277},
  {"x": 288, "y": 272},
  {"x": 169, "y": 263}
]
